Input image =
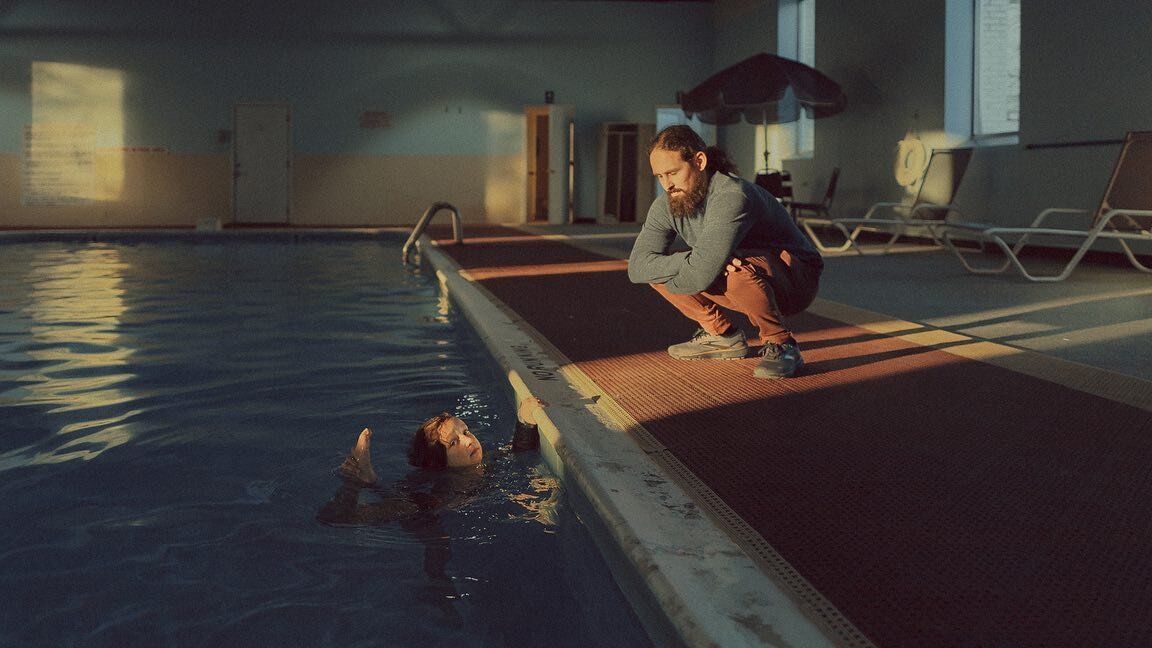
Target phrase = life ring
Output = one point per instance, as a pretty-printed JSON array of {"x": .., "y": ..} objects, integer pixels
[{"x": 911, "y": 158}]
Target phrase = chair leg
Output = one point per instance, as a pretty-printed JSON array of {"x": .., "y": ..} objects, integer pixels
[
  {"x": 1132, "y": 257},
  {"x": 1012, "y": 258},
  {"x": 824, "y": 219}
]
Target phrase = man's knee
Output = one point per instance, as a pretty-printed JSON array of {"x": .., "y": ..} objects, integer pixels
[{"x": 662, "y": 290}]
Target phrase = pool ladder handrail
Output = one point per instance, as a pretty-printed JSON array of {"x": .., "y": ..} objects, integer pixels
[{"x": 457, "y": 229}]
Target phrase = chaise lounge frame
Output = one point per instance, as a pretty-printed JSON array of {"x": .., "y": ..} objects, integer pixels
[{"x": 1124, "y": 216}]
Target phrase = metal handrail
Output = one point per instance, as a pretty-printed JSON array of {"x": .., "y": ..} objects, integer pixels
[{"x": 457, "y": 230}]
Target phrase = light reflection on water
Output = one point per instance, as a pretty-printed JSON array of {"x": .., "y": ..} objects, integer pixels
[
  {"x": 172, "y": 415},
  {"x": 73, "y": 305}
]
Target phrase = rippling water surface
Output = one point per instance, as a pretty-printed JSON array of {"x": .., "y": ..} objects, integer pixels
[{"x": 170, "y": 418}]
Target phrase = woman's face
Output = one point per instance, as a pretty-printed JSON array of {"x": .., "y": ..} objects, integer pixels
[{"x": 462, "y": 449}]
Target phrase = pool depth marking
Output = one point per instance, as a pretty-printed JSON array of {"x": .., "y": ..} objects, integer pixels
[{"x": 533, "y": 362}]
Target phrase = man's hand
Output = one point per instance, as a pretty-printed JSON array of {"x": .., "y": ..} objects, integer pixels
[{"x": 735, "y": 264}]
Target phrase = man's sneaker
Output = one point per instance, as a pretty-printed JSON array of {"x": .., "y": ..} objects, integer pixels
[
  {"x": 705, "y": 346},
  {"x": 780, "y": 360}
]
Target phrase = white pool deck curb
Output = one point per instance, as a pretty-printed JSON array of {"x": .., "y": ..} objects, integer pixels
[{"x": 709, "y": 590}]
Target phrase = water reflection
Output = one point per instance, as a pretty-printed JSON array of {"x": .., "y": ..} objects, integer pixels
[{"x": 72, "y": 357}]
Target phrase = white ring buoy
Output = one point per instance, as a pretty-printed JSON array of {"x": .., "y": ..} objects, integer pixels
[{"x": 911, "y": 158}]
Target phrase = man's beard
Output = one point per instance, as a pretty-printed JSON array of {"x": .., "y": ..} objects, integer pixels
[{"x": 688, "y": 202}]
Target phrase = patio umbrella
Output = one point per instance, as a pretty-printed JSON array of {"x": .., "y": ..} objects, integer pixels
[{"x": 763, "y": 89}]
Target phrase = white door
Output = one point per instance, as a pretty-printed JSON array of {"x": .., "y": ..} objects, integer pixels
[
  {"x": 561, "y": 164},
  {"x": 261, "y": 163}
]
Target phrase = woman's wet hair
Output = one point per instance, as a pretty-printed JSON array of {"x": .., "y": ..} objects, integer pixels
[
  {"x": 426, "y": 449},
  {"x": 687, "y": 142}
]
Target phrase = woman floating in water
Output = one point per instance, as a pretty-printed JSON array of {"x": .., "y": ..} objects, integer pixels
[
  {"x": 453, "y": 463},
  {"x": 452, "y": 473}
]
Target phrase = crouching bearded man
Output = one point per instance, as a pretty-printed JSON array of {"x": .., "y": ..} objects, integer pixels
[{"x": 745, "y": 254}]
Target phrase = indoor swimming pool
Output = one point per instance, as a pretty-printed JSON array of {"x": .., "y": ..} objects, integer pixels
[{"x": 171, "y": 416}]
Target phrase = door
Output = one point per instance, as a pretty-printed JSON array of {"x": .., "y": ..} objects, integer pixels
[
  {"x": 626, "y": 182},
  {"x": 537, "y": 150},
  {"x": 261, "y": 163},
  {"x": 551, "y": 164}
]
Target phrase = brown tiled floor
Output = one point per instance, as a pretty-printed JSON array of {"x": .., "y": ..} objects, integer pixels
[{"x": 935, "y": 500}]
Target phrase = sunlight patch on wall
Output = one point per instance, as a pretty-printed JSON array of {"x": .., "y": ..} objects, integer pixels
[
  {"x": 504, "y": 188},
  {"x": 73, "y": 147}
]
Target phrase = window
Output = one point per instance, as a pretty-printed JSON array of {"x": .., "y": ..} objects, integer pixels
[
  {"x": 996, "y": 68},
  {"x": 983, "y": 74},
  {"x": 796, "y": 39}
]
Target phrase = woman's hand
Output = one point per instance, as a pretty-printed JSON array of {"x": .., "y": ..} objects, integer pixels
[{"x": 527, "y": 410}]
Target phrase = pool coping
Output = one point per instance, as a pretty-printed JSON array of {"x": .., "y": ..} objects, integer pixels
[{"x": 706, "y": 588}]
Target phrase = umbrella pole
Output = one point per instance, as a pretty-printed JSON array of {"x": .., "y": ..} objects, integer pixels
[{"x": 764, "y": 123}]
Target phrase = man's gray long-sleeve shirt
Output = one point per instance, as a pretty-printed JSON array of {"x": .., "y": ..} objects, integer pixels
[{"x": 738, "y": 215}]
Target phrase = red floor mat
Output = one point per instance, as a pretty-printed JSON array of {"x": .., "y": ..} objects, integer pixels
[{"x": 935, "y": 501}]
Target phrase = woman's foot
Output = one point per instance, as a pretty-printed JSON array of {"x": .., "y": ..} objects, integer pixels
[{"x": 358, "y": 465}]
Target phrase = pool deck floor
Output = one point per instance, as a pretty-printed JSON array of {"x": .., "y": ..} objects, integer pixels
[{"x": 964, "y": 460}]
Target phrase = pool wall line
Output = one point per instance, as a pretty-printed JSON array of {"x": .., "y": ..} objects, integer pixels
[
  {"x": 187, "y": 235},
  {"x": 688, "y": 581}
]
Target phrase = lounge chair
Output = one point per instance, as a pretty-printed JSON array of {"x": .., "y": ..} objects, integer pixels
[
  {"x": 817, "y": 209},
  {"x": 1124, "y": 216},
  {"x": 930, "y": 206}
]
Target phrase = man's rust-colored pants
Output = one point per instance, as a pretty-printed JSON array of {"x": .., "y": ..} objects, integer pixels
[{"x": 768, "y": 286}]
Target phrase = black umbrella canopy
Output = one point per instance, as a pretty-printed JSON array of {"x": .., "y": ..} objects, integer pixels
[{"x": 764, "y": 89}]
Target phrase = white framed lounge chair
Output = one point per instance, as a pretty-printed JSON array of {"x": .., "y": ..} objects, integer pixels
[
  {"x": 1124, "y": 216},
  {"x": 820, "y": 209},
  {"x": 931, "y": 205}
]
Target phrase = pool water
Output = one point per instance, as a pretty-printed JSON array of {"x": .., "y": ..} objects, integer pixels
[{"x": 171, "y": 416}]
